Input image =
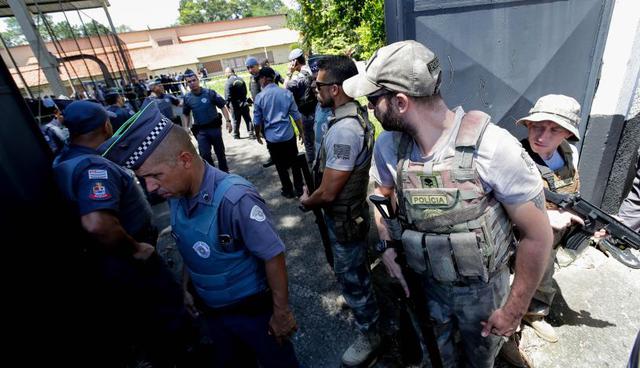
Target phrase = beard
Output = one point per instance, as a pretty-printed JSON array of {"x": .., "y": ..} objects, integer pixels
[
  {"x": 326, "y": 103},
  {"x": 390, "y": 120}
]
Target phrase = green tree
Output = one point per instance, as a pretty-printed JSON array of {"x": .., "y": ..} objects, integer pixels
[
  {"x": 340, "y": 26},
  {"x": 200, "y": 11}
]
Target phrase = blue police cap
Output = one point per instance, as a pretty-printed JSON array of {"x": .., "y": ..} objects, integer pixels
[
  {"x": 134, "y": 142},
  {"x": 82, "y": 117},
  {"x": 112, "y": 92},
  {"x": 295, "y": 53},
  {"x": 314, "y": 61},
  {"x": 155, "y": 82},
  {"x": 251, "y": 61},
  {"x": 189, "y": 73}
]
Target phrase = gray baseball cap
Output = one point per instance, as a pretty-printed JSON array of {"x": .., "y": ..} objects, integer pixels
[
  {"x": 406, "y": 66},
  {"x": 562, "y": 110}
]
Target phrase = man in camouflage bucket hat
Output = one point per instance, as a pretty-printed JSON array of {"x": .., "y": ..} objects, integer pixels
[{"x": 460, "y": 182}]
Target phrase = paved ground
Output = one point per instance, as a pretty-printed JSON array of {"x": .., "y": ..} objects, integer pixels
[{"x": 596, "y": 312}]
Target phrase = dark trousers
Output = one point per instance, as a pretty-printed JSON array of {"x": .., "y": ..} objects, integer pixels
[
  {"x": 309, "y": 137},
  {"x": 208, "y": 137},
  {"x": 284, "y": 157},
  {"x": 238, "y": 113},
  {"x": 240, "y": 337}
]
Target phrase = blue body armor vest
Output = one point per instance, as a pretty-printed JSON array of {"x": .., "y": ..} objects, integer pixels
[{"x": 220, "y": 278}]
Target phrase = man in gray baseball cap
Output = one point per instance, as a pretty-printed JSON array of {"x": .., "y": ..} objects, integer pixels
[{"x": 453, "y": 171}]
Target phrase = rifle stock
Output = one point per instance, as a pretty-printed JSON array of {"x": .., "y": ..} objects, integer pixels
[{"x": 301, "y": 161}]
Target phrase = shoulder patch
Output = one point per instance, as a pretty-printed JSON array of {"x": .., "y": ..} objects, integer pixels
[
  {"x": 342, "y": 151},
  {"x": 99, "y": 192},
  {"x": 257, "y": 214},
  {"x": 98, "y": 174}
]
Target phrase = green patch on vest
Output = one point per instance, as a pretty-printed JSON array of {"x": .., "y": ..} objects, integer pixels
[
  {"x": 430, "y": 199},
  {"x": 558, "y": 183},
  {"x": 429, "y": 181},
  {"x": 431, "y": 212}
]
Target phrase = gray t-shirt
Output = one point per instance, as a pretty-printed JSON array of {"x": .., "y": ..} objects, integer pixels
[
  {"x": 504, "y": 166},
  {"x": 344, "y": 141}
]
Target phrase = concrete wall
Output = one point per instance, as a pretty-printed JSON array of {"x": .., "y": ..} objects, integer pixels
[
  {"x": 623, "y": 170},
  {"x": 609, "y": 139}
]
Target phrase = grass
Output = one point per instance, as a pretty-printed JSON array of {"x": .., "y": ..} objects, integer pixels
[{"x": 217, "y": 84}]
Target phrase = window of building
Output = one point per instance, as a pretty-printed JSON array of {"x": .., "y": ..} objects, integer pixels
[{"x": 166, "y": 42}]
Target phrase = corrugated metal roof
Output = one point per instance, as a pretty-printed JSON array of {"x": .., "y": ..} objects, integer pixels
[{"x": 52, "y": 6}]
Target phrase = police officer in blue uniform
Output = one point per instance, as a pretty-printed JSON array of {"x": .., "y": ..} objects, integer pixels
[
  {"x": 115, "y": 104},
  {"x": 164, "y": 100},
  {"x": 207, "y": 122},
  {"x": 233, "y": 257},
  {"x": 140, "y": 299}
]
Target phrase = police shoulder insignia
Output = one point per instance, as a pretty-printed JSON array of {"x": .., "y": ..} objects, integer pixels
[
  {"x": 257, "y": 214},
  {"x": 202, "y": 249},
  {"x": 98, "y": 174},
  {"x": 99, "y": 191},
  {"x": 342, "y": 151}
]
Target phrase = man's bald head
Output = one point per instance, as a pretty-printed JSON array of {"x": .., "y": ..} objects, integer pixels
[{"x": 229, "y": 71}]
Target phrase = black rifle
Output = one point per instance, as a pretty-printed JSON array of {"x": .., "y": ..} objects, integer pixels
[
  {"x": 426, "y": 323},
  {"x": 619, "y": 237},
  {"x": 301, "y": 161}
]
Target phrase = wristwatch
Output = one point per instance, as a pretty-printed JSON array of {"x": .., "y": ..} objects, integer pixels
[{"x": 383, "y": 245}]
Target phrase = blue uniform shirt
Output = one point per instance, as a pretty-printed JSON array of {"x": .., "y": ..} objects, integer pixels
[
  {"x": 122, "y": 115},
  {"x": 247, "y": 222},
  {"x": 98, "y": 184},
  {"x": 272, "y": 108},
  {"x": 164, "y": 102},
  {"x": 203, "y": 106}
]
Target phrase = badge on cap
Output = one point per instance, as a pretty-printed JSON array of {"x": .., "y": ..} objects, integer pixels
[
  {"x": 202, "y": 249},
  {"x": 257, "y": 214},
  {"x": 99, "y": 192}
]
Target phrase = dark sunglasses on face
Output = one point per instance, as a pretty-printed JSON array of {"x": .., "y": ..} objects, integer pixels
[
  {"x": 319, "y": 84},
  {"x": 375, "y": 97}
]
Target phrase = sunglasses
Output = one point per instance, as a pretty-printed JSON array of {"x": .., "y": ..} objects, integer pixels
[
  {"x": 375, "y": 97},
  {"x": 318, "y": 84}
]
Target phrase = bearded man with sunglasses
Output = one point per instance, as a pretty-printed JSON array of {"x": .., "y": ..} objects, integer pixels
[
  {"x": 342, "y": 175},
  {"x": 461, "y": 182}
]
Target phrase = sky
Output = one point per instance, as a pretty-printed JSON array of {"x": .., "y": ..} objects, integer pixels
[{"x": 137, "y": 14}]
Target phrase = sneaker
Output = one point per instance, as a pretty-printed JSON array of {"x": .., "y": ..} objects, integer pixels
[
  {"x": 512, "y": 354},
  {"x": 542, "y": 328},
  {"x": 341, "y": 302},
  {"x": 268, "y": 163},
  {"x": 252, "y": 136},
  {"x": 362, "y": 350}
]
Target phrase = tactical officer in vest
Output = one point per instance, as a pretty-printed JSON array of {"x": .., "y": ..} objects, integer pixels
[
  {"x": 342, "y": 174},
  {"x": 303, "y": 93},
  {"x": 207, "y": 122},
  {"x": 235, "y": 92},
  {"x": 232, "y": 254},
  {"x": 552, "y": 123},
  {"x": 164, "y": 100},
  {"x": 138, "y": 294},
  {"x": 115, "y": 104},
  {"x": 460, "y": 182}
]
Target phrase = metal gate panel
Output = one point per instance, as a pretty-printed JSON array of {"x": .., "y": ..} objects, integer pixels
[{"x": 499, "y": 56}]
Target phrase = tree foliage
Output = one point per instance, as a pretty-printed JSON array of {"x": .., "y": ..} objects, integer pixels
[
  {"x": 13, "y": 35},
  {"x": 341, "y": 26},
  {"x": 200, "y": 11}
]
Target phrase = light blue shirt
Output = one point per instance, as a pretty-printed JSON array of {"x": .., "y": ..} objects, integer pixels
[{"x": 272, "y": 108}]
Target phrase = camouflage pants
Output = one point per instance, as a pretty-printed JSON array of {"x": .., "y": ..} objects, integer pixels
[
  {"x": 460, "y": 309},
  {"x": 545, "y": 292},
  {"x": 351, "y": 266}
]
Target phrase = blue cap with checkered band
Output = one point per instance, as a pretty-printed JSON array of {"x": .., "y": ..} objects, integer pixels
[{"x": 136, "y": 139}]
